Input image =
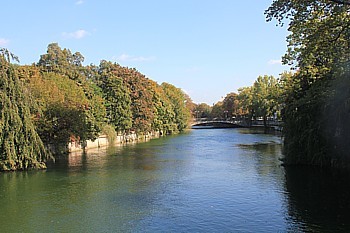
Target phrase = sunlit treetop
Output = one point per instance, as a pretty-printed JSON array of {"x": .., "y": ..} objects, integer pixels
[{"x": 320, "y": 32}]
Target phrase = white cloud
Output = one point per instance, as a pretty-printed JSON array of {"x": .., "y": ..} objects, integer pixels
[
  {"x": 79, "y": 2},
  {"x": 79, "y": 34},
  {"x": 4, "y": 42},
  {"x": 126, "y": 57},
  {"x": 275, "y": 62}
]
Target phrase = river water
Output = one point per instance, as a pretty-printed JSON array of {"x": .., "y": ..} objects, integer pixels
[{"x": 213, "y": 180}]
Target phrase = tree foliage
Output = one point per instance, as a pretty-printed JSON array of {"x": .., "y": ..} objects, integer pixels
[
  {"x": 320, "y": 32},
  {"x": 262, "y": 99},
  {"x": 117, "y": 96},
  {"x": 58, "y": 100},
  {"x": 61, "y": 61},
  {"x": 69, "y": 111},
  {"x": 20, "y": 145},
  {"x": 178, "y": 101},
  {"x": 316, "y": 103},
  {"x": 231, "y": 105},
  {"x": 202, "y": 110}
]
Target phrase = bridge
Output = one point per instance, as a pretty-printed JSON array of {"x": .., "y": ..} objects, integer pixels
[
  {"x": 228, "y": 123},
  {"x": 204, "y": 124}
]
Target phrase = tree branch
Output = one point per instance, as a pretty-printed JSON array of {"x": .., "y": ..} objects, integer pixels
[{"x": 344, "y": 2}]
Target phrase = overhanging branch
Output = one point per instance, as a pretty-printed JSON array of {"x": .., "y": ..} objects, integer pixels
[{"x": 343, "y": 2}]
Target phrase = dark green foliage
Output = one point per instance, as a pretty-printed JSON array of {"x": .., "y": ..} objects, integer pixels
[
  {"x": 202, "y": 110},
  {"x": 336, "y": 115},
  {"x": 117, "y": 96},
  {"x": 20, "y": 145},
  {"x": 316, "y": 110},
  {"x": 304, "y": 142},
  {"x": 317, "y": 124}
]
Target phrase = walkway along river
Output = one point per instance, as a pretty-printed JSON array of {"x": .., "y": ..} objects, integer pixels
[{"x": 215, "y": 180}]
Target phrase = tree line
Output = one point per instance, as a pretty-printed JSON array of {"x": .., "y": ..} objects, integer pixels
[
  {"x": 314, "y": 99},
  {"x": 57, "y": 100},
  {"x": 264, "y": 100},
  {"x": 317, "y": 109}
]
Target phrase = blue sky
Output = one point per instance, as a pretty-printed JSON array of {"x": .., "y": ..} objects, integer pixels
[{"x": 207, "y": 48}]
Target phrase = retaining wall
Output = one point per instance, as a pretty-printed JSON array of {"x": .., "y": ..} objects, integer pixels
[{"x": 102, "y": 141}]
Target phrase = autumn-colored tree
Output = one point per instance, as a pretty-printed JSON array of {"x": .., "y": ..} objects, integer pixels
[
  {"x": 66, "y": 111},
  {"x": 164, "y": 115},
  {"x": 231, "y": 105},
  {"x": 178, "y": 100},
  {"x": 217, "y": 111},
  {"x": 68, "y": 101}
]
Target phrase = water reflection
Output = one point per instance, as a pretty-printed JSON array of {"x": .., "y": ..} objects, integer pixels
[
  {"x": 318, "y": 200},
  {"x": 204, "y": 181},
  {"x": 266, "y": 157}
]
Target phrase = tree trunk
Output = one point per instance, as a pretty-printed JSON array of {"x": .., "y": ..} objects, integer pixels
[{"x": 265, "y": 124}]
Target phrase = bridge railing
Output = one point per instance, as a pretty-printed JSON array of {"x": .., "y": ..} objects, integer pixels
[{"x": 237, "y": 122}]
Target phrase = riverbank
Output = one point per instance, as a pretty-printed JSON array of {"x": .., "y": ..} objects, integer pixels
[{"x": 103, "y": 141}]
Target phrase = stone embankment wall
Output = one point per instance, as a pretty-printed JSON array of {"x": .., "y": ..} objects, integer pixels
[{"x": 102, "y": 141}]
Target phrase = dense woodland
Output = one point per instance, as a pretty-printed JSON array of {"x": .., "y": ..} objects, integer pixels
[{"x": 57, "y": 100}]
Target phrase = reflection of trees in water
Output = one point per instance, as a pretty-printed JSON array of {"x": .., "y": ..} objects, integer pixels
[
  {"x": 318, "y": 199},
  {"x": 266, "y": 156},
  {"x": 97, "y": 191}
]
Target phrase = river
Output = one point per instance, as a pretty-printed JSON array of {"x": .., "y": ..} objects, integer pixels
[{"x": 213, "y": 180}]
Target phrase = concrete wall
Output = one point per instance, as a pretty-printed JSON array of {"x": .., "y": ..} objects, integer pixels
[{"x": 102, "y": 141}]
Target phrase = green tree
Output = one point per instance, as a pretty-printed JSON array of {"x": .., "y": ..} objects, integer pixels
[
  {"x": 138, "y": 87},
  {"x": 68, "y": 110},
  {"x": 20, "y": 145},
  {"x": 260, "y": 100},
  {"x": 245, "y": 97},
  {"x": 64, "y": 74},
  {"x": 320, "y": 32},
  {"x": 230, "y": 105},
  {"x": 117, "y": 96},
  {"x": 202, "y": 110},
  {"x": 164, "y": 115},
  {"x": 319, "y": 49},
  {"x": 217, "y": 111},
  {"x": 265, "y": 97},
  {"x": 62, "y": 61},
  {"x": 179, "y": 103}
]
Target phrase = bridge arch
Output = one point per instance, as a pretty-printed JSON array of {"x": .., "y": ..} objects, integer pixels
[{"x": 215, "y": 124}]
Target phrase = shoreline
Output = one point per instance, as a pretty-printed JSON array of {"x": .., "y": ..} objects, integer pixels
[{"x": 102, "y": 141}]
